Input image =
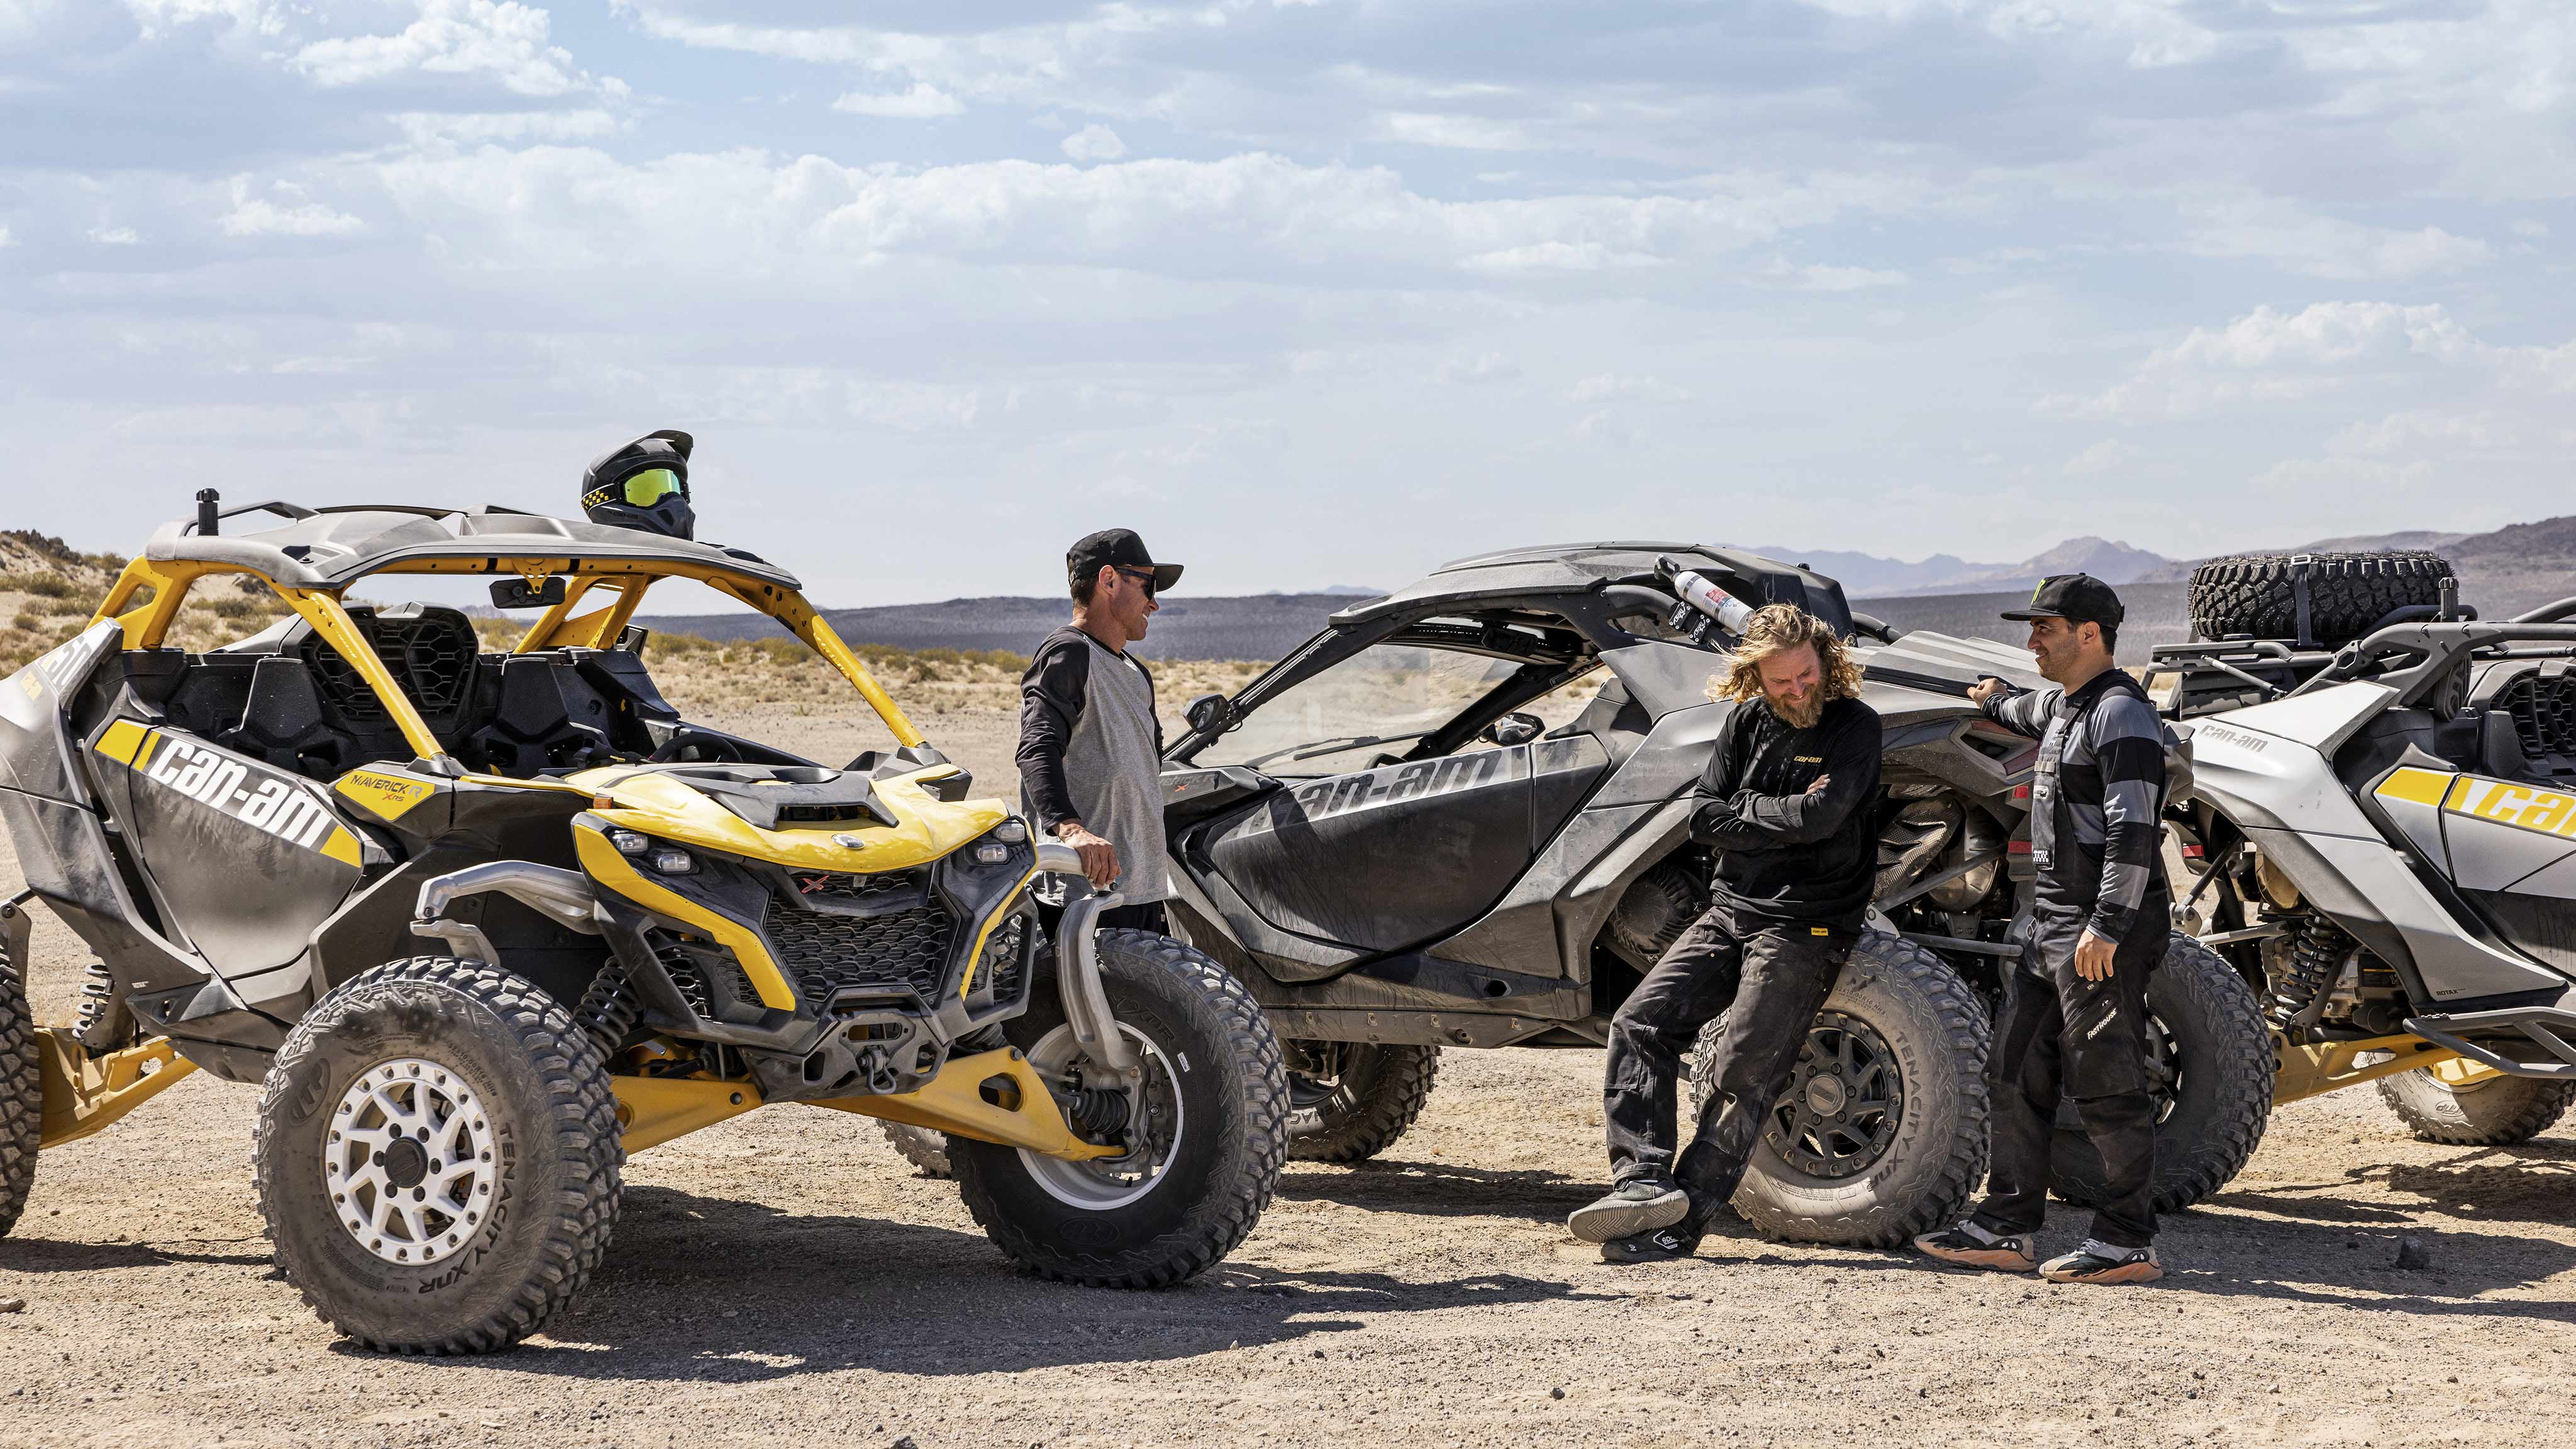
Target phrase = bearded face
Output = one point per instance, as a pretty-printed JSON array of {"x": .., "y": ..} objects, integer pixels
[{"x": 1793, "y": 685}]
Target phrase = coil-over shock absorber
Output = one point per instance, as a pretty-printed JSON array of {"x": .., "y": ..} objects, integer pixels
[
  {"x": 608, "y": 1009},
  {"x": 104, "y": 1021},
  {"x": 1100, "y": 1112},
  {"x": 2317, "y": 951}
]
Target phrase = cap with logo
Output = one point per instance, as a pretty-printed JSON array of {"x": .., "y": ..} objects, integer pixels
[
  {"x": 2076, "y": 598},
  {"x": 1119, "y": 548}
]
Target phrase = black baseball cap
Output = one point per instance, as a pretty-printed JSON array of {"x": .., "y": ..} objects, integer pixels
[
  {"x": 1119, "y": 547},
  {"x": 2076, "y": 598}
]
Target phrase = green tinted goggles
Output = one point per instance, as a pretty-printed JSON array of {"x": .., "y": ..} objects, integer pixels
[{"x": 651, "y": 486}]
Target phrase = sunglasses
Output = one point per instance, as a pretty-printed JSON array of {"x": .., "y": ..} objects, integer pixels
[{"x": 1142, "y": 578}]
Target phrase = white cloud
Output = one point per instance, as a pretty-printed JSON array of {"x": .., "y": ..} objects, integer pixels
[
  {"x": 2102, "y": 457},
  {"x": 1557, "y": 256},
  {"x": 157, "y": 17},
  {"x": 2324, "y": 246},
  {"x": 259, "y": 216},
  {"x": 922, "y": 102},
  {"x": 738, "y": 213},
  {"x": 499, "y": 38},
  {"x": 2270, "y": 356},
  {"x": 115, "y": 236},
  {"x": 1464, "y": 133},
  {"x": 2425, "y": 431},
  {"x": 1848, "y": 279},
  {"x": 437, "y": 130},
  {"x": 1484, "y": 367},
  {"x": 1602, "y": 387},
  {"x": 1094, "y": 143}
]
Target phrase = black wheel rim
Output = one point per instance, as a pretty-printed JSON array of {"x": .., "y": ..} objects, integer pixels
[
  {"x": 1325, "y": 1093},
  {"x": 2164, "y": 1068},
  {"x": 1844, "y": 1103}
]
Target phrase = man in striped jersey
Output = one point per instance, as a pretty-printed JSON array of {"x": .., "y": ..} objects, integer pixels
[{"x": 2074, "y": 1017}]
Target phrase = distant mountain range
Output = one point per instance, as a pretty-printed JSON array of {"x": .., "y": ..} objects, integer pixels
[
  {"x": 2504, "y": 572},
  {"x": 1868, "y": 574}
]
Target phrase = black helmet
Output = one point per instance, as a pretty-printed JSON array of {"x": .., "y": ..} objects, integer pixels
[{"x": 644, "y": 485}]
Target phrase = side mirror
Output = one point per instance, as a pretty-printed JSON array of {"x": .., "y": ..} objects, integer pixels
[
  {"x": 1211, "y": 714},
  {"x": 1515, "y": 728},
  {"x": 515, "y": 593}
]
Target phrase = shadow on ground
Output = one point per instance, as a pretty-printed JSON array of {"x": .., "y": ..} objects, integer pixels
[
  {"x": 716, "y": 1290},
  {"x": 1439, "y": 1189}
]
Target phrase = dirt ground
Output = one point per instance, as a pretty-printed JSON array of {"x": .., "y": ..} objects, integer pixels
[{"x": 782, "y": 1278}]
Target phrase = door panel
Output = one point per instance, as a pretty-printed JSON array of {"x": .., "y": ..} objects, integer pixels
[
  {"x": 247, "y": 858},
  {"x": 1386, "y": 858}
]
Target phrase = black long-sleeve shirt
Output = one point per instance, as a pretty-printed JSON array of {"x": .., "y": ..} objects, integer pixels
[
  {"x": 1785, "y": 854},
  {"x": 2097, "y": 801}
]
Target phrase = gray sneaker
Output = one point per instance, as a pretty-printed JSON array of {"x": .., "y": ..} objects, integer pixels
[{"x": 1639, "y": 1205}]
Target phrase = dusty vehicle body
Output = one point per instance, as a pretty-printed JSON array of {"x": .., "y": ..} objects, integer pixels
[
  {"x": 481, "y": 922},
  {"x": 1399, "y": 861},
  {"x": 2385, "y": 834}
]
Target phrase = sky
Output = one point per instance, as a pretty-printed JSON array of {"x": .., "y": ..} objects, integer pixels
[{"x": 1308, "y": 293}]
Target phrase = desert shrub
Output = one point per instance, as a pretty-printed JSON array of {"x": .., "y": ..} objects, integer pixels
[
  {"x": 43, "y": 586},
  {"x": 29, "y": 620}
]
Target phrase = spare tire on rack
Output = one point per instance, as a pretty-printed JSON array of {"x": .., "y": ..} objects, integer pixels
[{"x": 2256, "y": 594}]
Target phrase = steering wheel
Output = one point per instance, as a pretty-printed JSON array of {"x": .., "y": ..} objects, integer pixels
[{"x": 686, "y": 738}]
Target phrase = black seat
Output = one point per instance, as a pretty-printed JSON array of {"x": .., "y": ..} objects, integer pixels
[
  {"x": 282, "y": 720},
  {"x": 544, "y": 716}
]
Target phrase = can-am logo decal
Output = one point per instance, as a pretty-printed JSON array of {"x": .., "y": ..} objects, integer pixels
[
  {"x": 249, "y": 793},
  {"x": 2546, "y": 811},
  {"x": 1419, "y": 780}
]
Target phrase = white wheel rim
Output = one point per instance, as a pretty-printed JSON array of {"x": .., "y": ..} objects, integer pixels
[
  {"x": 1103, "y": 1184},
  {"x": 407, "y": 1161}
]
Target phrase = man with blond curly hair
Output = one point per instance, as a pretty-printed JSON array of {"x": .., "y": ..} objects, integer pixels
[{"x": 1784, "y": 804}]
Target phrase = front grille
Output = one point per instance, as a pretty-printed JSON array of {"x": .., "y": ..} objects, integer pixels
[
  {"x": 827, "y": 953},
  {"x": 700, "y": 973},
  {"x": 2544, "y": 713},
  {"x": 893, "y": 888}
]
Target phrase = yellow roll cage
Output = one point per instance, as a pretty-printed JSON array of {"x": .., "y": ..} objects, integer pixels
[{"x": 148, "y": 621}]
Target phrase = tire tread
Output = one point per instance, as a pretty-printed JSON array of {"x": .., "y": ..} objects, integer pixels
[
  {"x": 1204, "y": 1240},
  {"x": 580, "y": 1098}
]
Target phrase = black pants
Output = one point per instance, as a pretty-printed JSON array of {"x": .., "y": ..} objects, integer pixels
[
  {"x": 2061, "y": 1035},
  {"x": 1768, "y": 979}
]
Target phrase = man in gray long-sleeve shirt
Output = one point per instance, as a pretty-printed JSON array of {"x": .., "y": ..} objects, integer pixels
[
  {"x": 2074, "y": 1020},
  {"x": 1091, "y": 748}
]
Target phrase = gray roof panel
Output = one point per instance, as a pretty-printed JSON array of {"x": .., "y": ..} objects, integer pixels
[{"x": 332, "y": 548}]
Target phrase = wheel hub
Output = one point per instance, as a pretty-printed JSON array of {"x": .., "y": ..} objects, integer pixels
[
  {"x": 1844, "y": 1102},
  {"x": 1104, "y": 1183},
  {"x": 405, "y": 1164},
  {"x": 408, "y": 1162}
]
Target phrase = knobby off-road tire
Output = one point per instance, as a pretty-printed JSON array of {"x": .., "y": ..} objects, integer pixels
[
  {"x": 926, "y": 1148},
  {"x": 2213, "y": 1084},
  {"x": 492, "y": 1065},
  {"x": 2494, "y": 1112},
  {"x": 1203, "y": 1036},
  {"x": 22, "y": 1093},
  {"x": 1901, "y": 1030},
  {"x": 1361, "y": 1113},
  {"x": 2347, "y": 593}
]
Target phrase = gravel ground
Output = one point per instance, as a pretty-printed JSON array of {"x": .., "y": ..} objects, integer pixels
[{"x": 784, "y": 1275}]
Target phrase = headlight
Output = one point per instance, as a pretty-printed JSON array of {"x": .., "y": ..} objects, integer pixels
[
  {"x": 992, "y": 852},
  {"x": 1011, "y": 832},
  {"x": 627, "y": 842},
  {"x": 671, "y": 861}
]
